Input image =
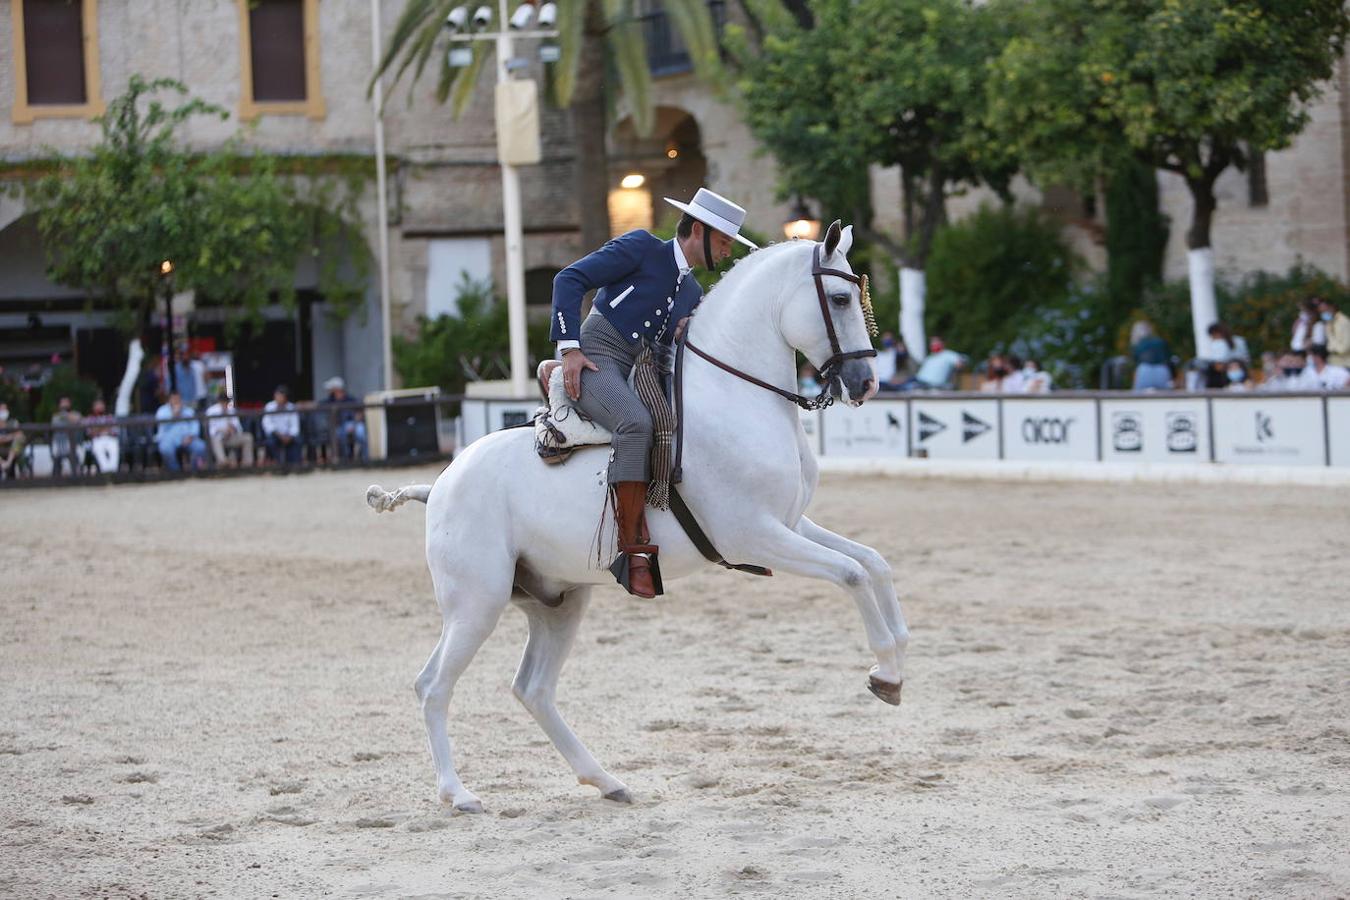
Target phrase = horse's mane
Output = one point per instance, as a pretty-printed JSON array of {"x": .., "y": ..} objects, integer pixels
[{"x": 747, "y": 265}]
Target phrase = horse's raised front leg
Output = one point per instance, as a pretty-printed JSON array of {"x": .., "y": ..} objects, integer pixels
[
  {"x": 781, "y": 548},
  {"x": 552, "y": 631},
  {"x": 883, "y": 586}
]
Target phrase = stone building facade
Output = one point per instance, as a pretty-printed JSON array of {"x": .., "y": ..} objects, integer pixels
[{"x": 444, "y": 198}]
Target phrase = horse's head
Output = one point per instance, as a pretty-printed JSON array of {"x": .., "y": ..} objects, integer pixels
[{"x": 835, "y": 335}]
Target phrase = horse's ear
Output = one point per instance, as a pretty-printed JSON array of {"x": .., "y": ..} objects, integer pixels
[
  {"x": 846, "y": 240},
  {"x": 832, "y": 235}
]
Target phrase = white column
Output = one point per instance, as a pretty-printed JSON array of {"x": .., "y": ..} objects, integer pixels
[
  {"x": 382, "y": 201},
  {"x": 515, "y": 239},
  {"x": 913, "y": 289},
  {"x": 134, "y": 356},
  {"x": 1204, "y": 309}
]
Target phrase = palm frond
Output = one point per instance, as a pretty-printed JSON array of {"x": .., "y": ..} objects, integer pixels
[
  {"x": 629, "y": 47},
  {"x": 695, "y": 25},
  {"x": 571, "y": 34},
  {"x": 466, "y": 81},
  {"x": 416, "y": 17}
]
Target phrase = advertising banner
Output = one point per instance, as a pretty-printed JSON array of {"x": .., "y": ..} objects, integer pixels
[
  {"x": 1155, "y": 430},
  {"x": 955, "y": 429},
  {"x": 1050, "y": 430},
  {"x": 1267, "y": 430},
  {"x": 1338, "y": 430},
  {"x": 877, "y": 429},
  {"x": 482, "y": 416}
]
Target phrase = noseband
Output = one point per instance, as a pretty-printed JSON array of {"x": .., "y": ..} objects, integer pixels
[{"x": 830, "y": 370}]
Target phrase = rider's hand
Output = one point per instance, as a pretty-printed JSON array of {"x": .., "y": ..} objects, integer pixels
[{"x": 573, "y": 362}]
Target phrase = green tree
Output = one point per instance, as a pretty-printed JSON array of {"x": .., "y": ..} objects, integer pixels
[
  {"x": 1187, "y": 86},
  {"x": 992, "y": 273},
  {"x": 111, "y": 218},
  {"x": 593, "y": 35},
  {"x": 879, "y": 82},
  {"x": 232, "y": 226}
]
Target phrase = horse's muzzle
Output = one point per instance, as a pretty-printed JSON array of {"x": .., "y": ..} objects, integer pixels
[{"x": 855, "y": 383}]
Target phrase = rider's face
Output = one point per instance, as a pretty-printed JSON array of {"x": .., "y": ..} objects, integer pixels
[{"x": 721, "y": 246}]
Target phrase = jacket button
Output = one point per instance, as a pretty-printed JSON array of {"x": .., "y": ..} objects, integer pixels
[
  {"x": 646, "y": 324},
  {"x": 658, "y": 312},
  {"x": 635, "y": 335}
]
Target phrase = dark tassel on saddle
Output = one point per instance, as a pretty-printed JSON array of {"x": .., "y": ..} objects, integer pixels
[{"x": 647, "y": 381}]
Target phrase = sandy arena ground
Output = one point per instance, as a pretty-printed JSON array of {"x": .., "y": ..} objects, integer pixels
[{"x": 1113, "y": 691}]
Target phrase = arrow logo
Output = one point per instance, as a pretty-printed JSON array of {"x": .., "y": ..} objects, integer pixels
[
  {"x": 971, "y": 427},
  {"x": 929, "y": 426}
]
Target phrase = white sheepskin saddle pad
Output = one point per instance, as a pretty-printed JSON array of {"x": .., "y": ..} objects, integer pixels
[{"x": 560, "y": 427}]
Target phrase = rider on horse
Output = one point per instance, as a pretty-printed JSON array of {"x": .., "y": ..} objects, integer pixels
[{"x": 643, "y": 299}]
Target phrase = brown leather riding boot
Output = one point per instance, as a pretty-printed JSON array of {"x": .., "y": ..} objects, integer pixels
[{"x": 636, "y": 567}]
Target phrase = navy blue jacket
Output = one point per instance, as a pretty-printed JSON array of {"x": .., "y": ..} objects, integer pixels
[{"x": 634, "y": 276}]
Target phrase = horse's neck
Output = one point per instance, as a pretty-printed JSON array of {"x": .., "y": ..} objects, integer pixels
[{"x": 738, "y": 326}]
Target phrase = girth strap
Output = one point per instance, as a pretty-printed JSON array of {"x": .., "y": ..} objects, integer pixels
[{"x": 685, "y": 517}]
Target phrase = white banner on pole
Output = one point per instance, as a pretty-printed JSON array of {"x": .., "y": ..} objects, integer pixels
[
  {"x": 877, "y": 428},
  {"x": 955, "y": 429},
  {"x": 1050, "y": 430},
  {"x": 1266, "y": 430},
  {"x": 1155, "y": 429}
]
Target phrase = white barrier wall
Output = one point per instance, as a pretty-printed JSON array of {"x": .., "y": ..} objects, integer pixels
[{"x": 1246, "y": 429}]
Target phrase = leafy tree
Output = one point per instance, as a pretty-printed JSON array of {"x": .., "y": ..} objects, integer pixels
[
  {"x": 1136, "y": 236},
  {"x": 232, "y": 226},
  {"x": 879, "y": 82},
  {"x": 593, "y": 35},
  {"x": 993, "y": 273},
  {"x": 476, "y": 336},
  {"x": 1188, "y": 87}
]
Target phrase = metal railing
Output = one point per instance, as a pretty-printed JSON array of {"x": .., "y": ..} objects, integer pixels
[{"x": 129, "y": 448}]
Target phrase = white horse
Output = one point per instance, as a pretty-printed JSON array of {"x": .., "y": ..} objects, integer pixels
[{"x": 503, "y": 527}]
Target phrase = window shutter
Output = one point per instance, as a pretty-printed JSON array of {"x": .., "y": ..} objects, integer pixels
[
  {"x": 53, "y": 39},
  {"x": 277, "y": 39}
]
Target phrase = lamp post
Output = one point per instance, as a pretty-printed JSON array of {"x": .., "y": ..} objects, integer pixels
[
  {"x": 800, "y": 223},
  {"x": 504, "y": 38}
]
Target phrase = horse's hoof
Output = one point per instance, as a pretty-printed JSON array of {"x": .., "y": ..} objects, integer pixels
[
  {"x": 884, "y": 690},
  {"x": 470, "y": 807},
  {"x": 620, "y": 796}
]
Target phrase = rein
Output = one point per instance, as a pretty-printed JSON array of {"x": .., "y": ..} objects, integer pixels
[{"x": 838, "y": 356}]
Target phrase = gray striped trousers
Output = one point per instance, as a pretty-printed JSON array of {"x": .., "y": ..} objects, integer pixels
[{"x": 607, "y": 398}]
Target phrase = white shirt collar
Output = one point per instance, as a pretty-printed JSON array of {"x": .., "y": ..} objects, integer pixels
[{"x": 680, "y": 262}]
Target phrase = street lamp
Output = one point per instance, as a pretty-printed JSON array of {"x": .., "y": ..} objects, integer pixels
[
  {"x": 509, "y": 28},
  {"x": 166, "y": 347},
  {"x": 800, "y": 224}
]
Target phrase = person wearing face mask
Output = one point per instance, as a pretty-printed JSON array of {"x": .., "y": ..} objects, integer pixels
[
  {"x": 1338, "y": 333},
  {"x": 1321, "y": 375},
  {"x": 1035, "y": 380},
  {"x": 1236, "y": 373}
]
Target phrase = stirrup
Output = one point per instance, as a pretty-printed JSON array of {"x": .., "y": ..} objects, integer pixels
[{"x": 621, "y": 565}]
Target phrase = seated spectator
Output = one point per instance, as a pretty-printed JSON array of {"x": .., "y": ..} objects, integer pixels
[
  {"x": 351, "y": 425},
  {"x": 1338, "y": 334},
  {"x": 179, "y": 430},
  {"x": 995, "y": 371},
  {"x": 65, "y": 439},
  {"x": 1152, "y": 371},
  {"x": 1015, "y": 382},
  {"x": 281, "y": 426},
  {"x": 1284, "y": 373},
  {"x": 1036, "y": 380},
  {"x": 807, "y": 385},
  {"x": 102, "y": 431},
  {"x": 939, "y": 368},
  {"x": 226, "y": 434},
  {"x": 894, "y": 364},
  {"x": 1211, "y": 365},
  {"x": 1238, "y": 379},
  {"x": 1309, "y": 328},
  {"x": 1321, "y": 375},
  {"x": 12, "y": 443}
]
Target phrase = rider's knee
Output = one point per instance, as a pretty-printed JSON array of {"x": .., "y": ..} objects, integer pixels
[{"x": 637, "y": 425}]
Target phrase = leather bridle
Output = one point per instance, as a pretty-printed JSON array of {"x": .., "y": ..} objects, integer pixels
[{"x": 830, "y": 369}]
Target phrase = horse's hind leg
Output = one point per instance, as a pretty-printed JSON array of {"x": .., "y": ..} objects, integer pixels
[
  {"x": 469, "y": 615},
  {"x": 552, "y": 631},
  {"x": 883, "y": 584}
]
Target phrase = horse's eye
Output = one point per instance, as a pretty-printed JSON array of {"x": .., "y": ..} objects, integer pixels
[{"x": 840, "y": 300}]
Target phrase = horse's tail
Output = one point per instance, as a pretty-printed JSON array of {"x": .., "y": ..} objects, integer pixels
[{"x": 381, "y": 500}]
